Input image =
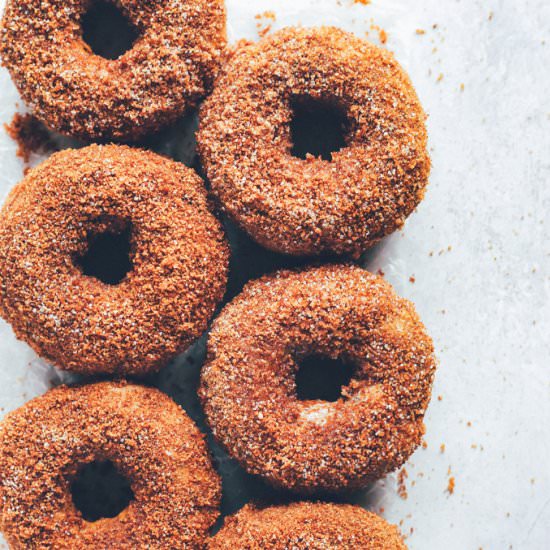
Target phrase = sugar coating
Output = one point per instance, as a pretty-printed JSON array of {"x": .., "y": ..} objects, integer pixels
[
  {"x": 307, "y": 526},
  {"x": 169, "y": 68},
  {"x": 143, "y": 432},
  {"x": 178, "y": 251},
  {"x": 248, "y": 386},
  {"x": 313, "y": 206}
]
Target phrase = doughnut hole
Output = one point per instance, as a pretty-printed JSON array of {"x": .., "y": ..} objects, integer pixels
[
  {"x": 318, "y": 127},
  {"x": 107, "y": 30},
  {"x": 99, "y": 491},
  {"x": 320, "y": 378},
  {"x": 108, "y": 253}
]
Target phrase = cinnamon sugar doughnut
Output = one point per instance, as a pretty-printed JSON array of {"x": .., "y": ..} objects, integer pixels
[
  {"x": 307, "y": 526},
  {"x": 311, "y": 206},
  {"x": 149, "y": 439},
  {"x": 249, "y": 391},
  {"x": 169, "y": 68},
  {"x": 178, "y": 260}
]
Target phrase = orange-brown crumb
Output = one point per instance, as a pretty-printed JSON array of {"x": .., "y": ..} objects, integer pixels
[
  {"x": 451, "y": 485},
  {"x": 401, "y": 483},
  {"x": 30, "y": 135}
]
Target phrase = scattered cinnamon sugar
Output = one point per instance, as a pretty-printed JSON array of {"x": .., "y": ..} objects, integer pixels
[
  {"x": 30, "y": 135},
  {"x": 382, "y": 34},
  {"x": 265, "y": 22},
  {"x": 412, "y": 279},
  {"x": 401, "y": 486}
]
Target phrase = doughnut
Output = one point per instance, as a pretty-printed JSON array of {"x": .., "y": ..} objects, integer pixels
[
  {"x": 307, "y": 526},
  {"x": 177, "y": 258},
  {"x": 169, "y": 68},
  {"x": 255, "y": 350},
  {"x": 149, "y": 439},
  {"x": 314, "y": 206}
]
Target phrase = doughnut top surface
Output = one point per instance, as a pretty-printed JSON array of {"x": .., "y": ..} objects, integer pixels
[
  {"x": 315, "y": 205},
  {"x": 169, "y": 68},
  {"x": 149, "y": 439},
  {"x": 255, "y": 350},
  {"x": 177, "y": 256},
  {"x": 307, "y": 526}
]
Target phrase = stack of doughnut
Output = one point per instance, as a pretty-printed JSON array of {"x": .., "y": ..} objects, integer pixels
[{"x": 176, "y": 274}]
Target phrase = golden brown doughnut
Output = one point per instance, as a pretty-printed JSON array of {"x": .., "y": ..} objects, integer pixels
[
  {"x": 312, "y": 205},
  {"x": 149, "y": 439},
  {"x": 248, "y": 384}
]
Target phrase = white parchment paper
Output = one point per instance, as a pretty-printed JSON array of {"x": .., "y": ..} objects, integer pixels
[{"x": 478, "y": 249}]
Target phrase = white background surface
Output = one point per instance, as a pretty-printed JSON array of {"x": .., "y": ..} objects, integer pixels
[{"x": 478, "y": 247}]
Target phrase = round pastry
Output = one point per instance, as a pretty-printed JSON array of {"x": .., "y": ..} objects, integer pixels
[
  {"x": 307, "y": 526},
  {"x": 262, "y": 338},
  {"x": 149, "y": 439},
  {"x": 315, "y": 205},
  {"x": 84, "y": 211},
  {"x": 170, "y": 67}
]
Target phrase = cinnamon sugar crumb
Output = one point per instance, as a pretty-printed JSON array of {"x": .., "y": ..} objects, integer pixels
[
  {"x": 382, "y": 34},
  {"x": 30, "y": 135},
  {"x": 451, "y": 485}
]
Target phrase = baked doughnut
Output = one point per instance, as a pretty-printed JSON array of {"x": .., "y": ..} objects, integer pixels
[
  {"x": 307, "y": 526},
  {"x": 170, "y": 67},
  {"x": 177, "y": 260},
  {"x": 149, "y": 439},
  {"x": 249, "y": 391},
  {"x": 314, "y": 206}
]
